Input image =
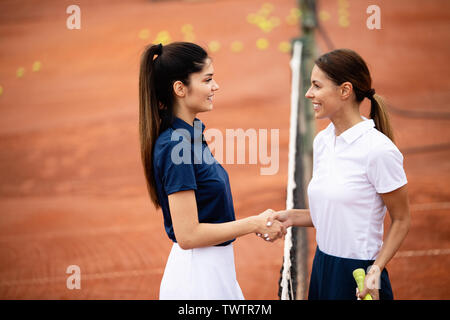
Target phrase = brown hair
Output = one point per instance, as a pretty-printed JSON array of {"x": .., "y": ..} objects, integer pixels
[
  {"x": 345, "y": 65},
  {"x": 174, "y": 62}
]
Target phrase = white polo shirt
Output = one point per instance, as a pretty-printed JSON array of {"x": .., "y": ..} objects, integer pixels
[{"x": 349, "y": 173}]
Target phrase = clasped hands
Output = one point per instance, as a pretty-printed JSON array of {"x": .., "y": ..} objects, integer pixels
[{"x": 272, "y": 224}]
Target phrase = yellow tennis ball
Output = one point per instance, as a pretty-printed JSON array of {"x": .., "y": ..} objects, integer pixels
[
  {"x": 285, "y": 46},
  {"x": 324, "y": 15},
  {"x": 189, "y": 37},
  {"x": 275, "y": 21},
  {"x": 343, "y": 3},
  {"x": 296, "y": 12},
  {"x": 259, "y": 19},
  {"x": 237, "y": 46},
  {"x": 265, "y": 26},
  {"x": 144, "y": 34},
  {"x": 1, "y": 90},
  {"x": 214, "y": 46},
  {"x": 36, "y": 66},
  {"x": 267, "y": 6},
  {"x": 262, "y": 43},
  {"x": 20, "y": 72},
  {"x": 343, "y": 21},
  {"x": 163, "y": 37},
  {"x": 252, "y": 18},
  {"x": 264, "y": 12},
  {"x": 187, "y": 28},
  {"x": 292, "y": 20},
  {"x": 359, "y": 275}
]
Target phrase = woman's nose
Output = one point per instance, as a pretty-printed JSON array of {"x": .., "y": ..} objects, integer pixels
[
  {"x": 308, "y": 94},
  {"x": 216, "y": 86}
]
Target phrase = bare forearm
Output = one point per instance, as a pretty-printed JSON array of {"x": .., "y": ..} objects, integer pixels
[
  {"x": 397, "y": 233},
  {"x": 300, "y": 217},
  {"x": 210, "y": 234}
]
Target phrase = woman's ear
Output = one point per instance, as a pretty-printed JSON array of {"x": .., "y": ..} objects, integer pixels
[
  {"x": 346, "y": 90},
  {"x": 179, "y": 89}
]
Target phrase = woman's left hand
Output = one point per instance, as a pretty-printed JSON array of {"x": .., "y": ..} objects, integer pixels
[
  {"x": 371, "y": 284},
  {"x": 374, "y": 293}
]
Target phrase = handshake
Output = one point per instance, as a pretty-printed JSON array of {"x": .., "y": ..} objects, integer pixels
[{"x": 272, "y": 225}]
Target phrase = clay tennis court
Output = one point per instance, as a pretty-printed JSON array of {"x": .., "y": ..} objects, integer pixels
[{"x": 72, "y": 189}]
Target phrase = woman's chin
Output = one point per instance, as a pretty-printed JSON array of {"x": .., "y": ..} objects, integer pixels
[
  {"x": 205, "y": 109},
  {"x": 318, "y": 116},
  {"x": 209, "y": 108}
]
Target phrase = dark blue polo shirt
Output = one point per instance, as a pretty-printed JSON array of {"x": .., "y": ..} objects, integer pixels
[{"x": 182, "y": 161}]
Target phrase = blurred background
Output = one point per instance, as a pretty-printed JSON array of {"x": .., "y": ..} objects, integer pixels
[{"x": 72, "y": 188}]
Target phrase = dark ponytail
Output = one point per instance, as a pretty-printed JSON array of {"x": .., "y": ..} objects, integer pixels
[
  {"x": 380, "y": 116},
  {"x": 345, "y": 65},
  {"x": 173, "y": 62}
]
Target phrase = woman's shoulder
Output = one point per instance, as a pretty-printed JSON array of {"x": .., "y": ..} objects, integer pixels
[
  {"x": 164, "y": 138},
  {"x": 165, "y": 143},
  {"x": 380, "y": 144}
]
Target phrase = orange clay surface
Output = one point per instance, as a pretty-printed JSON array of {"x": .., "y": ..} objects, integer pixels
[{"x": 72, "y": 189}]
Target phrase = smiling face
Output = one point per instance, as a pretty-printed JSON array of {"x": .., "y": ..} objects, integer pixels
[
  {"x": 325, "y": 95},
  {"x": 200, "y": 92}
]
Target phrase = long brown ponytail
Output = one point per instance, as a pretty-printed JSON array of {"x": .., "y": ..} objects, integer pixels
[
  {"x": 344, "y": 65},
  {"x": 173, "y": 62},
  {"x": 380, "y": 116}
]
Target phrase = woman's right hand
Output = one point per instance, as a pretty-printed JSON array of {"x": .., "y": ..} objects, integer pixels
[
  {"x": 268, "y": 228},
  {"x": 283, "y": 216}
]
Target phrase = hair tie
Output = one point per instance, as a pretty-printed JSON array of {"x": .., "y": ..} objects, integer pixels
[
  {"x": 370, "y": 93},
  {"x": 159, "y": 49}
]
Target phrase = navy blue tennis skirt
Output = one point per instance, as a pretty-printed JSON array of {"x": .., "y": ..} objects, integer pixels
[{"x": 332, "y": 278}]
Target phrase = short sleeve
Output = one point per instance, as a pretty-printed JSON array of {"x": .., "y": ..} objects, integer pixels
[
  {"x": 385, "y": 168},
  {"x": 177, "y": 175}
]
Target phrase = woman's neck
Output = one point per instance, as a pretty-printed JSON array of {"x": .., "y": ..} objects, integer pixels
[
  {"x": 186, "y": 116},
  {"x": 343, "y": 121}
]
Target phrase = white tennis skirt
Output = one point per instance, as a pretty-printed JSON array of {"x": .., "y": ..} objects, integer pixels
[{"x": 200, "y": 274}]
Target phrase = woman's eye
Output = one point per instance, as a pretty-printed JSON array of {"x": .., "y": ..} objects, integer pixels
[{"x": 208, "y": 80}]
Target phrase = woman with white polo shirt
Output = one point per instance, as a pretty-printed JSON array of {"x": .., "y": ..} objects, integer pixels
[{"x": 357, "y": 174}]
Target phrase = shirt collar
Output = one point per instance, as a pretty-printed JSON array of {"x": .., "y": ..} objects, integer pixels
[
  {"x": 181, "y": 124},
  {"x": 353, "y": 133}
]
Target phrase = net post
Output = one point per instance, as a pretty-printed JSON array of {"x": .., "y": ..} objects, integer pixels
[{"x": 294, "y": 272}]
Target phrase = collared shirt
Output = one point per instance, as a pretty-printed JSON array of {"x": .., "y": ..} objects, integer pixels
[
  {"x": 182, "y": 161},
  {"x": 349, "y": 173}
]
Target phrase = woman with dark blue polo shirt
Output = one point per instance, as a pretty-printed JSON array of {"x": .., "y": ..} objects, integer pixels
[{"x": 184, "y": 179}]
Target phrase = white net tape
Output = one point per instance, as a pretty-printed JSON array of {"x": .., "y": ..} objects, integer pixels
[{"x": 286, "y": 281}]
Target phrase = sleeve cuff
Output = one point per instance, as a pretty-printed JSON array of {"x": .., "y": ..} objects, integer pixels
[
  {"x": 392, "y": 187},
  {"x": 173, "y": 189}
]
